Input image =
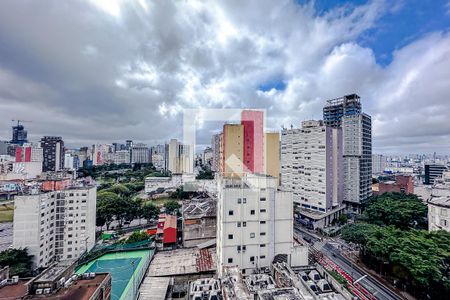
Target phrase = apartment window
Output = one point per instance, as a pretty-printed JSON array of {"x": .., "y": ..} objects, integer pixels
[
  {"x": 262, "y": 222},
  {"x": 244, "y": 224},
  {"x": 244, "y": 200},
  {"x": 262, "y": 256},
  {"x": 262, "y": 233},
  {"x": 238, "y": 224},
  {"x": 238, "y": 248},
  {"x": 262, "y": 245},
  {"x": 252, "y": 235},
  {"x": 69, "y": 249},
  {"x": 263, "y": 210},
  {"x": 230, "y": 260},
  {"x": 230, "y": 213},
  {"x": 252, "y": 258},
  {"x": 230, "y": 236},
  {"x": 252, "y": 212},
  {"x": 69, "y": 256},
  {"x": 239, "y": 201},
  {"x": 244, "y": 248},
  {"x": 262, "y": 199}
]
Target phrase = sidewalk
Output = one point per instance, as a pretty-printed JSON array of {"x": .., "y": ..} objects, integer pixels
[{"x": 377, "y": 276}]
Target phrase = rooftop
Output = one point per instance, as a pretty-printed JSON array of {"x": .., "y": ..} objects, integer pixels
[
  {"x": 199, "y": 208},
  {"x": 53, "y": 272}
]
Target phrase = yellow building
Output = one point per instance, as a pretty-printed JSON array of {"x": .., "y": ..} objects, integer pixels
[
  {"x": 272, "y": 154},
  {"x": 232, "y": 146}
]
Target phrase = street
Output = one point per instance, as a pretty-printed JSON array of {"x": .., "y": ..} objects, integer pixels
[{"x": 372, "y": 285}]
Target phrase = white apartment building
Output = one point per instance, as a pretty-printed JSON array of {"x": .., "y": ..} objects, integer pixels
[
  {"x": 121, "y": 157},
  {"x": 311, "y": 160},
  {"x": 378, "y": 164},
  {"x": 439, "y": 204},
  {"x": 180, "y": 158},
  {"x": 140, "y": 154},
  {"x": 254, "y": 223},
  {"x": 56, "y": 225},
  {"x": 357, "y": 156}
]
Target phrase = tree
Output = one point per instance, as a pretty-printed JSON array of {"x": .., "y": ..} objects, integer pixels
[
  {"x": 343, "y": 219},
  {"x": 400, "y": 210},
  {"x": 171, "y": 206},
  {"x": 358, "y": 233},
  {"x": 19, "y": 261},
  {"x": 150, "y": 211},
  {"x": 119, "y": 189},
  {"x": 106, "y": 202},
  {"x": 136, "y": 236}
]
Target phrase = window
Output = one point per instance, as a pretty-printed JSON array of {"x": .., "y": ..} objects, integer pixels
[
  {"x": 252, "y": 212},
  {"x": 244, "y": 224},
  {"x": 262, "y": 256},
  {"x": 239, "y": 201},
  {"x": 262, "y": 199},
  {"x": 252, "y": 258},
  {"x": 262, "y": 233},
  {"x": 230, "y": 213},
  {"x": 263, "y": 210},
  {"x": 238, "y": 248},
  {"x": 262, "y": 245},
  {"x": 230, "y": 260},
  {"x": 238, "y": 224},
  {"x": 244, "y": 248},
  {"x": 230, "y": 236},
  {"x": 262, "y": 222},
  {"x": 252, "y": 235},
  {"x": 244, "y": 200}
]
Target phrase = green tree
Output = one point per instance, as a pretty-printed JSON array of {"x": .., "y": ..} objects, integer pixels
[
  {"x": 120, "y": 189},
  {"x": 18, "y": 260},
  {"x": 106, "y": 209},
  {"x": 150, "y": 211},
  {"x": 136, "y": 236},
  {"x": 400, "y": 210},
  {"x": 171, "y": 206}
]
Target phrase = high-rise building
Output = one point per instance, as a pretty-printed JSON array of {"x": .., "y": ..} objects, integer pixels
[
  {"x": 346, "y": 113},
  {"x": 233, "y": 150},
  {"x": 215, "y": 145},
  {"x": 336, "y": 109},
  {"x": 378, "y": 164},
  {"x": 160, "y": 156},
  {"x": 357, "y": 154},
  {"x": 140, "y": 154},
  {"x": 121, "y": 157},
  {"x": 432, "y": 172},
  {"x": 254, "y": 223},
  {"x": 311, "y": 168},
  {"x": 19, "y": 135},
  {"x": 4, "y": 147},
  {"x": 28, "y": 161},
  {"x": 55, "y": 225},
  {"x": 272, "y": 154},
  {"x": 180, "y": 160},
  {"x": 53, "y": 148},
  {"x": 207, "y": 157},
  {"x": 128, "y": 144},
  {"x": 253, "y": 140}
]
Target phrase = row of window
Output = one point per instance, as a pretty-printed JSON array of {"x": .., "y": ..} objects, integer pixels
[
  {"x": 252, "y": 211},
  {"x": 252, "y": 259},
  {"x": 252, "y": 235}
]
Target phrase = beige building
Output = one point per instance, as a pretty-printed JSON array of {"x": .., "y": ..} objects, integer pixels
[
  {"x": 272, "y": 154},
  {"x": 233, "y": 154},
  {"x": 180, "y": 160}
]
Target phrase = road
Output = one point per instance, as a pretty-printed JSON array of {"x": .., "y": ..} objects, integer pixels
[
  {"x": 376, "y": 288},
  {"x": 6, "y": 235}
]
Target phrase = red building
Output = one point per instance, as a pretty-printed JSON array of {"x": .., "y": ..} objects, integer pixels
[
  {"x": 253, "y": 122},
  {"x": 402, "y": 184},
  {"x": 167, "y": 229},
  {"x": 23, "y": 154}
]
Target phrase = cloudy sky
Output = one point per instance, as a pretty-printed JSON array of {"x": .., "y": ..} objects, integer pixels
[{"x": 110, "y": 70}]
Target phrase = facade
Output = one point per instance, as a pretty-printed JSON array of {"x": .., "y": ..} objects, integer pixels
[
  {"x": 53, "y": 150},
  {"x": 254, "y": 223},
  {"x": 55, "y": 225},
  {"x": 378, "y": 164},
  {"x": 272, "y": 154},
  {"x": 121, "y": 157},
  {"x": 28, "y": 161},
  {"x": 199, "y": 221},
  {"x": 140, "y": 154},
  {"x": 439, "y": 213},
  {"x": 215, "y": 145},
  {"x": 232, "y": 149},
  {"x": 433, "y": 172},
  {"x": 253, "y": 140},
  {"x": 357, "y": 159},
  {"x": 180, "y": 160},
  {"x": 207, "y": 157},
  {"x": 4, "y": 147},
  {"x": 100, "y": 154},
  {"x": 311, "y": 164}
]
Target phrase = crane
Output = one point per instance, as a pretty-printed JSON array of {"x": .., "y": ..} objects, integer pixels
[{"x": 21, "y": 121}]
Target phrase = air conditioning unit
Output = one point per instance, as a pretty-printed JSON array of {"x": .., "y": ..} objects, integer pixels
[
  {"x": 15, "y": 279},
  {"x": 39, "y": 292},
  {"x": 92, "y": 275},
  {"x": 47, "y": 291}
]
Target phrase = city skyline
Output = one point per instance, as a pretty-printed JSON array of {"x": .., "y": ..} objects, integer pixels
[{"x": 117, "y": 89}]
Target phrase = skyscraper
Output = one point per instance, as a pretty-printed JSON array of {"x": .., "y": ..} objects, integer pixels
[
  {"x": 139, "y": 153},
  {"x": 336, "y": 109},
  {"x": 233, "y": 150},
  {"x": 53, "y": 149},
  {"x": 272, "y": 154},
  {"x": 19, "y": 135}
]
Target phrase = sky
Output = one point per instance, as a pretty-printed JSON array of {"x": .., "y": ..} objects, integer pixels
[{"x": 104, "y": 71}]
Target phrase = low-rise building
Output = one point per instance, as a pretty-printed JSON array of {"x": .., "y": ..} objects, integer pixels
[
  {"x": 402, "y": 184},
  {"x": 199, "y": 221}
]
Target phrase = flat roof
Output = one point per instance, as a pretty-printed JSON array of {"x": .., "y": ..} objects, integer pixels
[
  {"x": 53, "y": 272},
  {"x": 154, "y": 288},
  {"x": 82, "y": 289},
  {"x": 14, "y": 291}
]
